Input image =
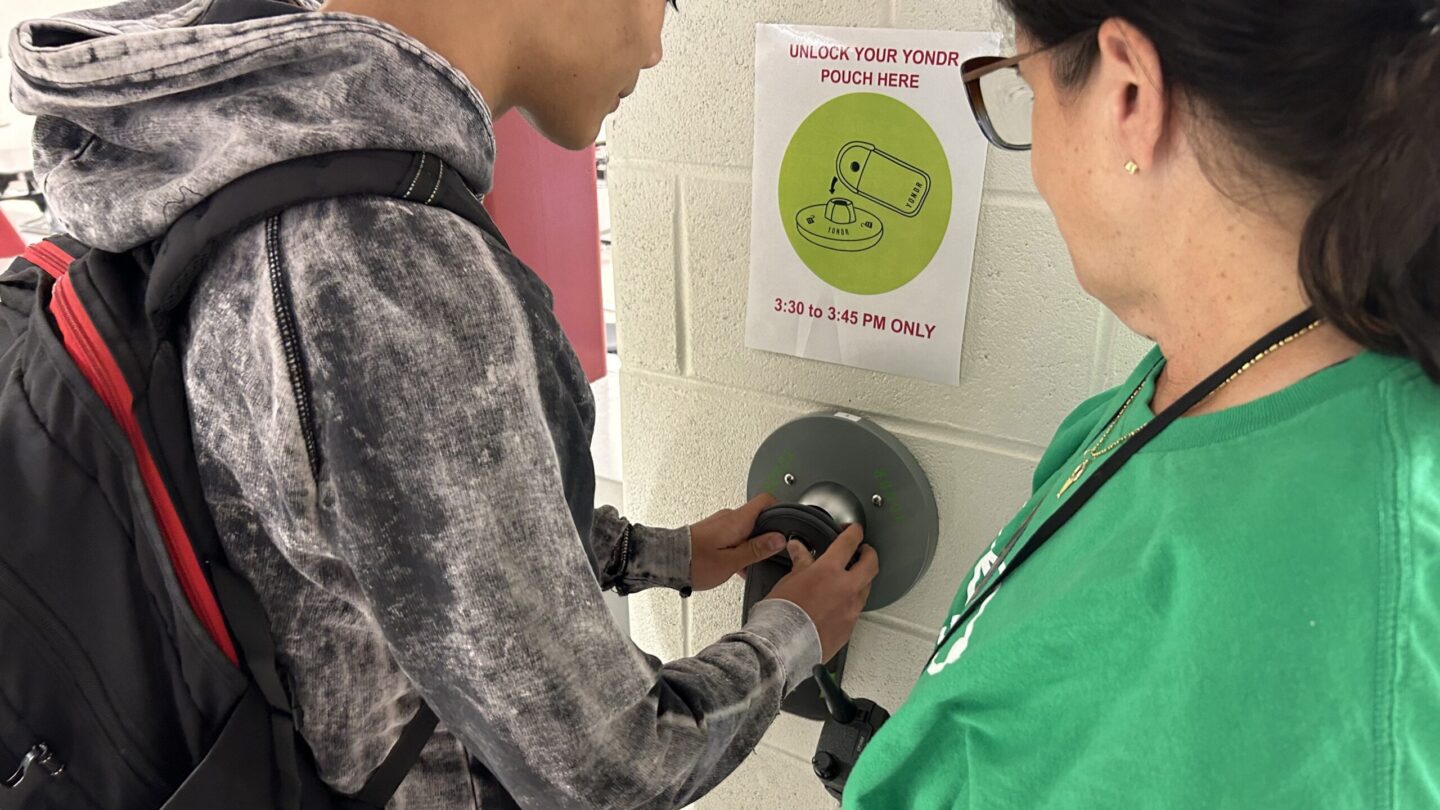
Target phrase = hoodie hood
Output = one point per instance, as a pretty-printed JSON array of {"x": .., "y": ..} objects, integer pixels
[{"x": 146, "y": 108}]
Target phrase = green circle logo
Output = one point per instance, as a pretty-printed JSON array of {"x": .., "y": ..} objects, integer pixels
[{"x": 865, "y": 193}]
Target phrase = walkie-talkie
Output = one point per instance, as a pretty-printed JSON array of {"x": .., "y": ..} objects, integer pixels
[{"x": 851, "y": 725}]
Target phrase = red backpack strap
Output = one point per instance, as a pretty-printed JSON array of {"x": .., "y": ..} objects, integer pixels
[
  {"x": 87, "y": 348},
  {"x": 49, "y": 257}
]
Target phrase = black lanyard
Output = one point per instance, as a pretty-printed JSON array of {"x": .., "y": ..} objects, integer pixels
[{"x": 1003, "y": 568}]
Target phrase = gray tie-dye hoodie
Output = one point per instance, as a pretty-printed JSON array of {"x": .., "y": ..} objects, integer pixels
[{"x": 446, "y": 550}]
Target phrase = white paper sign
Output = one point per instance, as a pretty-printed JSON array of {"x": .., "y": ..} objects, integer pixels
[{"x": 867, "y": 179}]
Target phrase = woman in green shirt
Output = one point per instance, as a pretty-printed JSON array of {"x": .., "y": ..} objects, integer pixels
[{"x": 1247, "y": 612}]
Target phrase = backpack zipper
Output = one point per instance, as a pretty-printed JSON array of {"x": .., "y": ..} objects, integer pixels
[
  {"x": 57, "y": 651},
  {"x": 39, "y": 755}
]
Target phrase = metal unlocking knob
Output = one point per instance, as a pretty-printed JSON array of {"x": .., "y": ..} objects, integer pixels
[
  {"x": 810, "y": 525},
  {"x": 816, "y": 519},
  {"x": 842, "y": 505}
]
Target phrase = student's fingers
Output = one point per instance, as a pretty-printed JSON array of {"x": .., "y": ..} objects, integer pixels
[
  {"x": 867, "y": 567},
  {"x": 758, "y": 548},
  {"x": 750, "y": 512},
  {"x": 842, "y": 551},
  {"x": 800, "y": 557}
]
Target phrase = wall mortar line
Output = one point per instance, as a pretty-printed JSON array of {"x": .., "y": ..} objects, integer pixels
[
  {"x": 682, "y": 282},
  {"x": 934, "y": 431},
  {"x": 1100, "y": 357},
  {"x": 905, "y": 626},
  {"x": 785, "y": 752}
]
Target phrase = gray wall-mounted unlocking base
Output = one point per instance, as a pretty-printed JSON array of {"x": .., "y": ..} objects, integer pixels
[{"x": 900, "y": 517}]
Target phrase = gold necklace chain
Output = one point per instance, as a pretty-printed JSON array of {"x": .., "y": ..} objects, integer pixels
[{"x": 1093, "y": 452}]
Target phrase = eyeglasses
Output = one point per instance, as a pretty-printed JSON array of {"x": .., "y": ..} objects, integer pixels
[{"x": 1001, "y": 98}]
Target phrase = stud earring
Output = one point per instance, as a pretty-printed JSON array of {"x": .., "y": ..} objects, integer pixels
[{"x": 1132, "y": 167}]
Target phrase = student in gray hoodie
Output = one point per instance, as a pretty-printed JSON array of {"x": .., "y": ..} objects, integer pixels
[{"x": 425, "y": 530}]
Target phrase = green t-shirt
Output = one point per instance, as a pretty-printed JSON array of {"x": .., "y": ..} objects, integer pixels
[{"x": 1246, "y": 616}]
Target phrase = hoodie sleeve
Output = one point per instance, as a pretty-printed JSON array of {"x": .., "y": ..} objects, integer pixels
[
  {"x": 659, "y": 558},
  {"x": 440, "y": 490}
]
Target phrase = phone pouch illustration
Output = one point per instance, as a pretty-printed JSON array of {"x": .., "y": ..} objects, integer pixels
[{"x": 882, "y": 178}]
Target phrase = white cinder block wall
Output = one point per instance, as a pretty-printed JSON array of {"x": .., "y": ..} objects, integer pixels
[{"x": 696, "y": 402}]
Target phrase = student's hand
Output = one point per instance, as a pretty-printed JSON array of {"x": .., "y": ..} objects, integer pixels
[
  {"x": 830, "y": 593},
  {"x": 721, "y": 546}
]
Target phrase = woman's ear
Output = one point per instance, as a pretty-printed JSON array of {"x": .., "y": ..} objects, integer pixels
[{"x": 1134, "y": 98}]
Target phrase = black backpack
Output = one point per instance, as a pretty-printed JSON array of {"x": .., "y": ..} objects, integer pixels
[{"x": 136, "y": 669}]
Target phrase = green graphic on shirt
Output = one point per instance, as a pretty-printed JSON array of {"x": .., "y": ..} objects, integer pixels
[{"x": 865, "y": 193}]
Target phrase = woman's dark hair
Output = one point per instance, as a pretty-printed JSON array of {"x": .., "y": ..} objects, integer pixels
[{"x": 1343, "y": 95}]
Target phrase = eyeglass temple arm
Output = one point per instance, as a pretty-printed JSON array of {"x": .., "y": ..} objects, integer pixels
[{"x": 986, "y": 70}]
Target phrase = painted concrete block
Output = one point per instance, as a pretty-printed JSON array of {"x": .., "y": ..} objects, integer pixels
[
  {"x": 1009, "y": 171},
  {"x": 947, "y": 15},
  {"x": 643, "y": 214},
  {"x": 1126, "y": 352},
  {"x": 698, "y": 106}
]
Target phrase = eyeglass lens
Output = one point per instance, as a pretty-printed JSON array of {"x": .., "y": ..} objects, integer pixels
[{"x": 1009, "y": 103}]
